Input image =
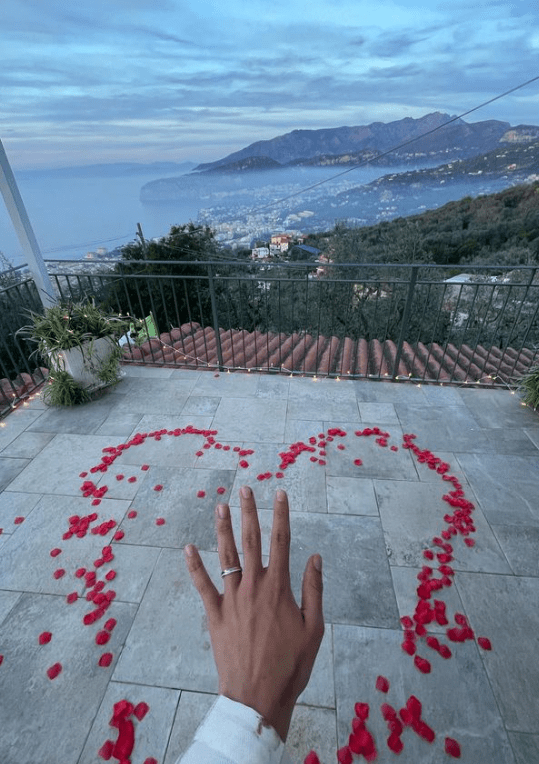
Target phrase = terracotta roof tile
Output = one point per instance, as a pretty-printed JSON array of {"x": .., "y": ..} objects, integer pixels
[{"x": 192, "y": 346}]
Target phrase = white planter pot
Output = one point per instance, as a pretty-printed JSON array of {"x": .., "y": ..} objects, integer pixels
[{"x": 82, "y": 364}]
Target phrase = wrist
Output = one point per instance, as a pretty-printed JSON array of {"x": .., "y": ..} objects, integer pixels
[{"x": 278, "y": 717}]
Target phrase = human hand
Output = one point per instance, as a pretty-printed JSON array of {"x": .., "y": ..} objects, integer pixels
[{"x": 264, "y": 645}]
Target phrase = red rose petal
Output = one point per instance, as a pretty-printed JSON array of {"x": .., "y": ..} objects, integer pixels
[
  {"x": 484, "y": 642},
  {"x": 132, "y": 479},
  {"x": 452, "y": 748},
  {"x": 344, "y": 755},
  {"x": 358, "y": 462},
  {"x": 111, "y": 575},
  {"x": 54, "y": 670},
  {"x": 120, "y": 477},
  {"x": 73, "y": 597},
  {"x": 409, "y": 647},
  {"x": 150, "y": 760},
  {"x": 201, "y": 494},
  {"x": 102, "y": 637},
  {"x": 394, "y": 743},
  {"x": 158, "y": 487},
  {"x": 55, "y": 552},
  {"x": 110, "y": 624},
  {"x": 45, "y": 637},
  {"x": 105, "y": 660},
  {"x": 59, "y": 573},
  {"x": 382, "y": 684},
  {"x": 221, "y": 489},
  {"x": 140, "y": 711},
  {"x": 422, "y": 664},
  {"x": 311, "y": 758},
  {"x": 118, "y": 536},
  {"x": 131, "y": 514},
  {"x": 105, "y": 752},
  {"x": 18, "y": 520},
  {"x": 422, "y": 729},
  {"x": 469, "y": 542},
  {"x": 160, "y": 521},
  {"x": 362, "y": 711}
]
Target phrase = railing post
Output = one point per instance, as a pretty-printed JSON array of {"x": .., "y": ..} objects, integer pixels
[
  {"x": 214, "y": 318},
  {"x": 23, "y": 227},
  {"x": 405, "y": 319}
]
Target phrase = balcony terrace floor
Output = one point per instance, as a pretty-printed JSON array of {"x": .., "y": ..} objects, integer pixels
[{"x": 370, "y": 522}]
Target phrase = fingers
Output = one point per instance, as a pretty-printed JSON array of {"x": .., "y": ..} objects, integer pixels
[
  {"x": 226, "y": 545},
  {"x": 279, "y": 564},
  {"x": 311, "y": 599},
  {"x": 203, "y": 583},
  {"x": 250, "y": 533}
]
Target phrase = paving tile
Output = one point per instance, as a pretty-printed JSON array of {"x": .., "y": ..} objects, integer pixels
[
  {"x": 511, "y": 623},
  {"x": 361, "y": 654},
  {"x": 15, "y": 424},
  {"x": 156, "y": 396},
  {"x": 26, "y": 561},
  {"x": 533, "y": 435},
  {"x": 312, "y": 729},
  {"x": 377, "y": 462},
  {"x": 303, "y": 481},
  {"x": 498, "y": 408},
  {"x": 124, "y": 488},
  {"x": 511, "y": 441},
  {"x": 169, "y": 450},
  {"x": 506, "y": 486},
  {"x": 405, "y": 583},
  {"x": 14, "y": 505},
  {"x": 28, "y": 444},
  {"x": 38, "y": 722},
  {"x": 134, "y": 566},
  {"x": 383, "y": 413},
  {"x": 320, "y": 691},
  {"x": 9, "y": 469},
  {"x": 336, "y": 402},
  {"x": 525, "y": 747},
  {"x": 187, "y": 517},
  {"x": 57, "y": 467},
  {"x": 520, "y": 544},
  {"x": 412, "y": 514},
  {"x": 272, "y": 386},
  {"x": 441, "y": 395},
  {"x": 351, "y": 496},
  {"x": 260, "y": 419},
  {"x": 190, "y": 713},
  {"x": 171, "y": 620},
  {"x": 389, "y": 392},
  {"x": 200, "y": 405},
  {"x": 83, "y": 419},
  {"x": 153, "y": 372},
  {"x": 443, "y": 428},
  {"x": 227, "y": 385},
  {"x": 301, "y": 429},
  {"x": 151, "y": 734},
  {"x": 119, "y": 425},
  {"x": 219, "y": 458},
  {"x": 8, "y": 600}
]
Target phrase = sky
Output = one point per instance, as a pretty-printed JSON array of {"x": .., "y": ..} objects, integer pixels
[{"x": 193, "y": 80}]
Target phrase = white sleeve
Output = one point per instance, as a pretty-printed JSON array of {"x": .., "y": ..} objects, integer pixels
[{"x": 233, "y": 733}]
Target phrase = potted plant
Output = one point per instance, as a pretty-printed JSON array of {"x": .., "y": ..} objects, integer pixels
[
  {"x": 528, "y": 388},
  {"x": 80, "y": 342}
]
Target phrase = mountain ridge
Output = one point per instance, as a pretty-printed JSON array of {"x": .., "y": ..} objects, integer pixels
[{"x": 443, "y": 132}]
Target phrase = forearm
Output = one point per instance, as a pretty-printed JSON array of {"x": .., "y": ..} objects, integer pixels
[{"x": 233, "y": 733}]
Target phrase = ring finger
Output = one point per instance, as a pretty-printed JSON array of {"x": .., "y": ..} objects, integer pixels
[{"x": 226, "y": 545}]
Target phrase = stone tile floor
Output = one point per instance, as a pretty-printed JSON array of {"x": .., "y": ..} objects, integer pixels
[{"x": 371, "y": 523}]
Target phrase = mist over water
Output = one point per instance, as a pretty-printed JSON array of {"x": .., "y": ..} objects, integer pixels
[{"x": 76, "y": 214}]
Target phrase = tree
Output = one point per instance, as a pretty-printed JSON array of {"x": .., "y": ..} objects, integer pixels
[{"x": 164, "y": 277}]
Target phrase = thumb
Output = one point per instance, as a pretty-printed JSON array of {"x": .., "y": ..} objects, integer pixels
[{"x": 311, "y": 596}]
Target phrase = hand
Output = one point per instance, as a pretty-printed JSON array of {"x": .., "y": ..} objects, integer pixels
[{"x": 264, "y": 645}]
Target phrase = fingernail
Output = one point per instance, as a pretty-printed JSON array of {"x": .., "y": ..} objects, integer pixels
[
  {"x": 318, "y": 563},
  {"x": 221, "y": 511},
  {"x": 189, "y": 550},
  {"x": 245, "y": 491},
  {"x": 281, "y": 495}
]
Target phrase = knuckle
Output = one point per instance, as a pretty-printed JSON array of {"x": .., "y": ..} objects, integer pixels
[
  {"x": 281, "y": 538},
  {"x": 251, "y": 540}
]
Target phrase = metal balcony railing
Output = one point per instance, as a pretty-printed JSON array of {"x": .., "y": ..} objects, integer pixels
[{"x": 376, "y": 321}]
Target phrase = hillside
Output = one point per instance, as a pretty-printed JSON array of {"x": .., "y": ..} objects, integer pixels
[
  {"x": 498, "y": 229},
  {"x": 460, "y": 138}
]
